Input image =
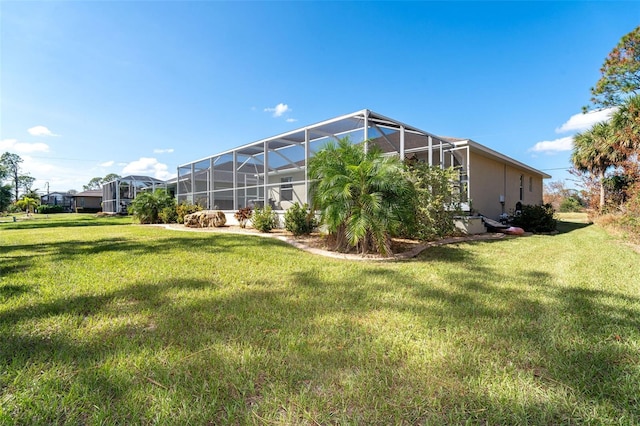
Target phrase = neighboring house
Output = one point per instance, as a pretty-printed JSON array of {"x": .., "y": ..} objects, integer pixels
[
  {"x": 118, "y": 194},
  {"x": 63, "y": 199},
  {"x": 88, "y": 201},
  {"x": 273, "y": 171}
]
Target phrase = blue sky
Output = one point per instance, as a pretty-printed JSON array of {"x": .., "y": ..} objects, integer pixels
[{"x": 89, "y": 88}]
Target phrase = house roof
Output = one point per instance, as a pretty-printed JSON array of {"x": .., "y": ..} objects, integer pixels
[
  {"x": 137, "y": 178},
  {"x": 384, "y": 133},
  {"x": 90, "y": 193},
  {"x": 488, "y": 152}
]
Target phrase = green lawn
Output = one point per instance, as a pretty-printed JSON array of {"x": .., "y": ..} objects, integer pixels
[{"x": 141, "y": 325}]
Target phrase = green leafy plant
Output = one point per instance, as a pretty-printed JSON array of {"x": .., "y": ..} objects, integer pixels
[
  {"x": 571, "y": 204},
  {"x": 436, "y": 201},
  {"x": 27, "y": 203},
  {"x": 168, "y": 214},
  {"x": 536, "y": 218},
  {"x": 184, "y": 209},
  {"x": 147, "y": 206},
  {"x": 243, "y": 215},
  {"x": 363, "y": 197},
  {"x": 46, "y": 209},
  {"x": 265, "y": 219},
  {"x": 299, "y": 220}
]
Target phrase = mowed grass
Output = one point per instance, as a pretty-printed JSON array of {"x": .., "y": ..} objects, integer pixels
[{"x": 142, "y": 325}]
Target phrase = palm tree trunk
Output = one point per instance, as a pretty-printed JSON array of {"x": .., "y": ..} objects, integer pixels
[{"x": 601, "y": 190}]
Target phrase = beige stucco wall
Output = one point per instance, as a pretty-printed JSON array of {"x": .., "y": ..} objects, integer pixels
[
  {"x": 490, "y": 178},
  {"x": 299, "y": 189}
]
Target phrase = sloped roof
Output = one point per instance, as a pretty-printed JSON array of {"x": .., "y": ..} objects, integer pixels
[{"x": 90, "y": 193}]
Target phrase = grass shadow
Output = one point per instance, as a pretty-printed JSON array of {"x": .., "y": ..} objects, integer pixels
[{"x": 564, "y": 227}]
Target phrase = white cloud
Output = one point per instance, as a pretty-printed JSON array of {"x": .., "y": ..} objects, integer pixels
[
  {"x": 291, "y": 120},
  {"x": 22, "y": 147},
  {"x": 557, "y": 145},
  {"x": 163, "y": 151},
  {"x": 40, "y": 131},
  {"x": 279, "y": 109},
  {"x": 106, "y": 164},
  {"x": 147, "y": 166},
  {"x": 579, "y": 122}
]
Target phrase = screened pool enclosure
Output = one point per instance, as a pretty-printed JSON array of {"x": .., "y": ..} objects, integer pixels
[
  {"x": 119, "y": 193},
  {"x": 273, "y": 171}
]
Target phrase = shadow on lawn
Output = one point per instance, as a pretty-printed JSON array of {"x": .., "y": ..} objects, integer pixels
[
  {"x": 331, "y": 334},
  {"x": 67, "y": 223},
  {"x": 63, "y": 251},
  {"x": 565, "y": 227},
  {"x": 521, "y": 334}
]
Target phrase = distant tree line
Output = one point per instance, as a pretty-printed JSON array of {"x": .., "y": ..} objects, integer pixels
[
  {"x": 14, "y": 185},
  {"x": 606, "y": 157}
]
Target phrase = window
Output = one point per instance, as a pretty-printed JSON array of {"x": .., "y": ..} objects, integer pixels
[
  {"x": 530, "y": 184},
  {"x": 521, "y": 187},
  {"x": 286, "y": 189}
]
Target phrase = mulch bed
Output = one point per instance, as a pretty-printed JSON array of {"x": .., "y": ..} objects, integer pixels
[{"x": 317, "y": 243}]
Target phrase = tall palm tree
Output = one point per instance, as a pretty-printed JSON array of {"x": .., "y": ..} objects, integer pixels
[
  {"x": 363, "y": 196},
  {"x": 626, "y": 125},
  {"x": 595, "y": 150}
]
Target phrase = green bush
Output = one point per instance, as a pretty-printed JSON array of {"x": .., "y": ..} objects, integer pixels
[
  {"x": 299, "y": 220},
  {"x": 46, "y": 209},
  {"x": 536, "y": 218},
  {"x": 571, "y": 204},
  {"x": 264, "y": 220},
  {"x": 168, "y": 214},
  {"x": 184, "y": 209},
  {"x": 147, "y": 206},
  {"x": 435, "y": 202}
]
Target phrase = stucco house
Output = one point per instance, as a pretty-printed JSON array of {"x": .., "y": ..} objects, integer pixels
[{"x": 273, "y": 171}]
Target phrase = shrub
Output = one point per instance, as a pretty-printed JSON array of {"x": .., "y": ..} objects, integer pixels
[
  {"x": 436, "y": 201},
  {"x": 45, "y": 209},
  {"x": 264, "y": 220},
  {"x": 168, "y": 214},
  {"x": 184, "y": 209},
  {"x": 570, "y": 204},
  {"x": 147, "y": 206},
  {"x": 243, "y": 215},
  {"x": 536, "y": 218},
  {"x": 299, "y": 220}
]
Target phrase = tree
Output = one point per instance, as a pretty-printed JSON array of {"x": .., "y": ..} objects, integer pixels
[
  {"x": 110, "y": 177},
  {"x": 620, "y": 73},
  {"x": 27, "y": 204},
  {"x": 594, "y": 151},
  {"x": 5, "y": 197},
  {"x": 94, "y": 183},
  {"x": 626, "y": 125},
  {"x": 562, "y": 198},
  {"x": 25, "y": 182},
  {"x": 363, "y": 196},
  {"x": 11, "y": 163},
  {"x": 97, "y": 182}
]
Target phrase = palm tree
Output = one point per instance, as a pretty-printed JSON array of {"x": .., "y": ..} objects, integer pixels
[
  {"x": 626, "y": 125},
  {"x": 595, "y": 150},
  {"x": 363, "y": 196}
]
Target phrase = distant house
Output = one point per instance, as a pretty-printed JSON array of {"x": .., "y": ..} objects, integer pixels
[
  {"x": 273, "y": 171},
  {"x": 88, "y": 201},
  {"x": 63, "y": 199}
]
